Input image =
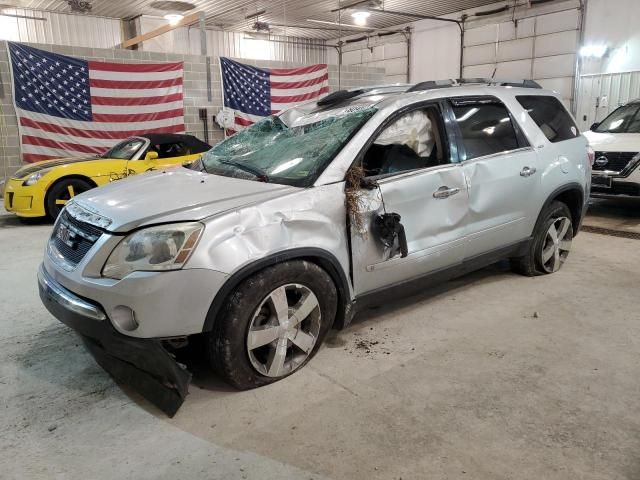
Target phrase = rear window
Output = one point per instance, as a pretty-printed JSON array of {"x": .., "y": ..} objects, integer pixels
[{"x": 551, "y": 116}]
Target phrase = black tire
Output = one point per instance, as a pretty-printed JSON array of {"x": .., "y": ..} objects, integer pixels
[
  {"x": 60, "y": 191},
  {"x": 532, "y": 263},
  {"x": 226, "y": 345}
]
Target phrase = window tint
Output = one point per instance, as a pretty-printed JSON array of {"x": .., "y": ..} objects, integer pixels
[
  {"x": 625, "y": 119},
  {"x": 486, "y": 129},
  {"x": 551, "y": 116}
]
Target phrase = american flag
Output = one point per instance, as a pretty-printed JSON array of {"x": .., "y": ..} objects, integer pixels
[
  {"x": 67, "y": 106},
  {"x": 253, "y": 93}
]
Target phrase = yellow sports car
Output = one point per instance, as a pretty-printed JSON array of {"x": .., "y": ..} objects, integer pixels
[{"x": 43, "y": 188}]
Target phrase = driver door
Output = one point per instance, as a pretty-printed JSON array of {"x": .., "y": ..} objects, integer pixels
[{"x": 429, "y": 195}]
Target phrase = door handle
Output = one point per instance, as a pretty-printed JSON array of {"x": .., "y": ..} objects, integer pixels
[
  {"x": 527, "y": 171},
  {"x": 445, "y": 192}
]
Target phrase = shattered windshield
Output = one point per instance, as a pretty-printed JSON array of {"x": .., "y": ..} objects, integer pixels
[{"x": 271, "y": 151}]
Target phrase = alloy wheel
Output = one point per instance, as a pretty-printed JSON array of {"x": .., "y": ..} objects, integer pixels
[
  {"x": 557, "y": 244},
  {"x": 284, "y": 330}
]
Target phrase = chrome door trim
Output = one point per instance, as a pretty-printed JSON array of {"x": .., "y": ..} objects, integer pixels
[
  {"x": 498, "y": 154},
  {"x": 411, "y": 173}
]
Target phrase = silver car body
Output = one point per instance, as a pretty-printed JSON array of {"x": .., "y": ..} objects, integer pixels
[{"x": 496, "y": 205}]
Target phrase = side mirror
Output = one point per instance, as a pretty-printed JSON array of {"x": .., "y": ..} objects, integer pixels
[
  {"x": 151, "y": 155},
  {"x": 594, "y": 126}
]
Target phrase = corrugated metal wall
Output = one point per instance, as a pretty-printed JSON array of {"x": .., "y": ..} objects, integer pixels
[
  {"x": 232, "y": 44},
  {"x": 601, "y": 94},
  {"x": 542, "y": 47},
  {"x": 60, "y": 29}
]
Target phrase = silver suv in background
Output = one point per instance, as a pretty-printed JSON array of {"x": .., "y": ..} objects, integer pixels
[{"x": 289, "y": 227}]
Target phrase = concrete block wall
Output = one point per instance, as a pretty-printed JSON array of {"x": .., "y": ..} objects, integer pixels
[{"x": 195, "y": 89}]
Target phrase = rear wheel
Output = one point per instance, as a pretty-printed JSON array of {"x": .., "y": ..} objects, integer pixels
[
  {"x": 551, "y": 243},
  {"x": 273, "y": 324},
  {"x": 63, "y": 191}
]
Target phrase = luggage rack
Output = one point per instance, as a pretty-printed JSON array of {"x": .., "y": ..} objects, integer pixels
[{"x": 433, "y": 84}]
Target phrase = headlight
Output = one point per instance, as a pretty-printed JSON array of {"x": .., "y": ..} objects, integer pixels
[
  {"x": 34, "y": 177},
  {"x": 165, "y": 247}
]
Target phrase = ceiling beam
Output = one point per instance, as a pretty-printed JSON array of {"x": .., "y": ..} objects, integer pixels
[{"x": 188, "y": 20}]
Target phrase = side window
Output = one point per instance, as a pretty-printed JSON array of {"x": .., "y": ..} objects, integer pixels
[
  {"x": 412, "y": 141},
  {"x": 486, "y": 129},
  {"x": 551, "y": 116},
  {"x": 169, "y": 150}
]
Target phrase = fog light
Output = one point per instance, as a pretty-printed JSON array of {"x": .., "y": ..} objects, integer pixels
[{"x": 124, "y": 318}]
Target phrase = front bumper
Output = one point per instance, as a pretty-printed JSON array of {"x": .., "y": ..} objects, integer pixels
[
  {"x": 165, "y": 304},
  {"x": 141, "y": 363},
  {"x": 625, "y": 184},
  {"x": 24, "y": 201}
]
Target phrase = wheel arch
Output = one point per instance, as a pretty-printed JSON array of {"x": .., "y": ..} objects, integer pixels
[
  {"x": 572, "y": 195},
  {"x": 320, "y": 257},
  {"x": 73, "y": 176}
]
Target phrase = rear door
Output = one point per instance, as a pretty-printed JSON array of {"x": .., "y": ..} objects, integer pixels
[{"x": 501, "y": 172}]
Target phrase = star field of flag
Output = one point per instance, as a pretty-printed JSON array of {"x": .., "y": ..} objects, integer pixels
[
  {"x": 253, "y": 93},
  {"x": 246, "y": 88},
  {"x": 70, "y": 107},
  {"x": 52, "y": 84}
]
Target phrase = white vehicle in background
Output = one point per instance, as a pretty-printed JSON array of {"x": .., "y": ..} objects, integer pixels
[{"x": 616, "y": 141}]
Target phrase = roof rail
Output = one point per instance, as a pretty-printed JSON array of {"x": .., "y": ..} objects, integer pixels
[
  {"x": 433, "y": 84},
  {"x": 339, "y": 96},
  {"x": 342, "y": 95}
]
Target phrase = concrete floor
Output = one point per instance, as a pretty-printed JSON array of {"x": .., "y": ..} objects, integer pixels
[
  {"x": 622, "y": 215},
  {"x": 493, "y": 376}
]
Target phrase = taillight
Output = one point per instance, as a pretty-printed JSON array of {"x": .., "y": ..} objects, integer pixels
[{"x": 591, "y": 155}]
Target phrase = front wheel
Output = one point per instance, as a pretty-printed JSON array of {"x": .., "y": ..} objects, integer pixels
[
  {"x": 63, "y": 191},
  {"x": 272, "y": 324},
  {"x": 551, "y": 243}
]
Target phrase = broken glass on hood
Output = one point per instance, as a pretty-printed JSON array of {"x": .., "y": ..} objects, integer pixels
[{"x": 272, "y": 151}]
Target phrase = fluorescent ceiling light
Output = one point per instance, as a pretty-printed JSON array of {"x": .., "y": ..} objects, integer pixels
[
  {"x": 174, "y": 18},
  {"x": 324, "y": 22},
  {"x": 596, "y": 51},
  {"x": 360, "y": 17}
]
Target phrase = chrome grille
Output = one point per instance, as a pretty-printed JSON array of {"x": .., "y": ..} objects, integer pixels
[
  {"x": 73, "y": 238},
  {"x": 616, "y": 161}
]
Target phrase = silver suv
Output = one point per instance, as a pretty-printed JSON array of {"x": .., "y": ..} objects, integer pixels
[{"x": 289, "y": 227}]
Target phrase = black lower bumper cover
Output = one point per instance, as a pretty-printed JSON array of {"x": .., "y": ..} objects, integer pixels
[{"x": 143, "y": 364}]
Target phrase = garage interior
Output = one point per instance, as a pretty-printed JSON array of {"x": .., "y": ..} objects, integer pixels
[{"x": 488, "y": 376}]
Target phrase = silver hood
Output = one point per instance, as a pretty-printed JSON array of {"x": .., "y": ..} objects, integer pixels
[{"x": 173, "y": 195}]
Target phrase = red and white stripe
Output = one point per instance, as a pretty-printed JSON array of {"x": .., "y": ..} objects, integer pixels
[
  {"x": 127, "y": 99},
  {"x": 289, "y": 87}
]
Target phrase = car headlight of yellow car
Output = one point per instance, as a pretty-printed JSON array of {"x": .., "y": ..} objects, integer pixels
[
  {"x": 161, "y": 248},
  {"x": 35, "y": 177}
]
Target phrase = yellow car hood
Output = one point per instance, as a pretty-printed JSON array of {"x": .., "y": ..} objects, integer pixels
[{"x": 56, "y": 162}]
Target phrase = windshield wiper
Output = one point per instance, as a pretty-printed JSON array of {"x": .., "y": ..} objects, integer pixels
[{"x": 259, "y": 174}]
